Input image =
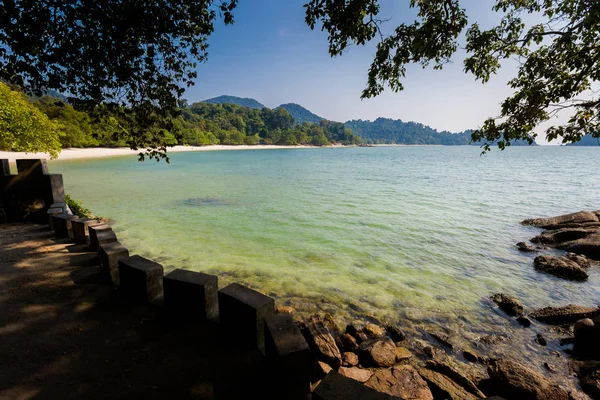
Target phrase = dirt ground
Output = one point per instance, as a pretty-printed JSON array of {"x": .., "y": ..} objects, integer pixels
[{"x": 64, "y": 335}]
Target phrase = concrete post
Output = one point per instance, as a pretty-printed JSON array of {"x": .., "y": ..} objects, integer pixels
[
  {"x": 140, "y": 279},
  {"x": 191, "y": 295}
]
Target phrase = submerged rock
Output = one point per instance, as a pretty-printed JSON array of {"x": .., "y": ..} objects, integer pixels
[
  {"x": 402, "y": 354},
  {"x": 564, "y": 315},
  {"x": 395, "y": 333},
  {"x": 518, "y": 382},
  {"x": 561, "y": 267},
  {"x": 577, "y": 218},
  {"x": 441, "y": 337},
  {"x": 401, "y": 381},
  {"x": 526, "y": 247},
  {"x": 508, "y": 304},
  {"x": 524, "y": 321}
]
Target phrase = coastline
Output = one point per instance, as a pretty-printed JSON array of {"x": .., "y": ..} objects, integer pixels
[{"x": 101, "y": 152}]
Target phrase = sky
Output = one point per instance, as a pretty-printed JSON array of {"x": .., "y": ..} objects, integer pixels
[{"x": 271, "y": 55}]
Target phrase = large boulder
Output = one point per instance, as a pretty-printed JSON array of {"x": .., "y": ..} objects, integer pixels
[
  {"x": 402, "y": 381},
  {"x": 589, "y": 245},
  {"x": 445, "y": 386},
  {"x": 518, "y": 382},
  {"x": 559, "y": 236},
  {"x": 564, "y": 315},
  {"x": 508, "y": 304},
  {"x": 381, "y": 353},
  {"x": 561, "y": 267},
  {"x": 586, "y": 344},
  {"x": 574, "y": 218},
  {"x": 322, "y": 343}
]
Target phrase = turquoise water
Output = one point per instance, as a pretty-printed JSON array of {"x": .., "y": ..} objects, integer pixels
[{"x": 391, "y": 232}]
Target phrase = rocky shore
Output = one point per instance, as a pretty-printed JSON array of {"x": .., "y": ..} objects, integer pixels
[{"x": 393, "y": 360}]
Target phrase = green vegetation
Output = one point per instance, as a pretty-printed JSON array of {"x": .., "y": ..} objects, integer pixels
[
  {"x": 23, "y": 127},
  {"x": 205, "y": 123},
  {"x": 558, "y": 57},
  {"x": 78, "y": 209},
  {"x": 300, "y": 114},
  {"x": 389, "y": 131},
  {"x": 240, "y": 101},
  {"x": 199, "y": 124}
]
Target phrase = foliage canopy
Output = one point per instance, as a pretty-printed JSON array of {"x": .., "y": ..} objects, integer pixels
[
  {"x": 23, "y": 127},
  {"x": 559, "y": 59}
]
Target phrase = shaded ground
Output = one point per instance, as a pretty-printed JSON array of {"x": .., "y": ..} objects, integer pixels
[{"x": 65, "y": 340}]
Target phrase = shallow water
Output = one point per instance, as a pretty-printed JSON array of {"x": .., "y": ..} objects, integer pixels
[{"x": 391, "y": 232}]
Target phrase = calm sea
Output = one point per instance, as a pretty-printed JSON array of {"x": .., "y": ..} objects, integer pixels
[{"x": 414, "y": 233}]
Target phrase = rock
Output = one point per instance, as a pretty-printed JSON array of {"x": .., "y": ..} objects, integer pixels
[
  {"x": 590, "y": 383},
  {"x": 526, "y": 247},
  {"x": 564, "y": 315},
  {"x": 348, "y": 342},
  {"x": 549, "y": 367},
  {"x": 361, "y": 337},
  {"x": 358, "y": 374},
  {"x": 508, "y": 304},
  {"x": 321, "y": 342},
  {"x": 434, "y": 352},
  {"x": 539, "y": 339},
  {"x": 582, "y": 261},
  {"x": 556, "y": 237},
  {"x": 402, "y": 354},
  {"x": 349, "y": 359},
  {"x": 331, "y": 325},
  {"x": 395, "y": 333},
  {"x": 373, "y": 331},
  {"x": 473, "y": 357},
  {"x": 381, "y": 353},
  {"x": 401, "y": 381},
  {"x": 441, "y": 337},
  {"x": 524, "y": 321},
  {"x": 445, "y": 386},
  {"x": 578, "y": 217},
  {"x": 561, "y": 267},
  {"x": 589, "y": 245},
  {"x": 285, "y": 310},
  {"x": 321, "y": 369},
  {"x": 456, "y": 376},
  {"x": 586, "y": 333},
  {"x": 354, "y": 327},
  {"x": 518, "y": 382},
  {"x": 492, "y": 339}
]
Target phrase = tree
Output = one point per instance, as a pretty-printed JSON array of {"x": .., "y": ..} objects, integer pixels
[
  {"x": 112, "y": 56},
  {"x": 559, "y": 58},
  {"x": 23, "y": 127}
]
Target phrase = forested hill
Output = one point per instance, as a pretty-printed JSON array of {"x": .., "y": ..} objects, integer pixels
[
  {"x": 240, "y": 101},
  {"x": 587, "y": 140},
  {"x": 300, "y": 114},
  {"x": 390, "y": 131}
]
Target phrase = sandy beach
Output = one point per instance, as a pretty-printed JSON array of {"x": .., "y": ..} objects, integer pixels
[{"x": 73, "y": 154}]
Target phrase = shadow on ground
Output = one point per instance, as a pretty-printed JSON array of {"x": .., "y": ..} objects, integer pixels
[{"x": 64, "y": 335}]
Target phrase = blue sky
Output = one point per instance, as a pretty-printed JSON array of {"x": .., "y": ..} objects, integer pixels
[{"x": 271, "y": 55}]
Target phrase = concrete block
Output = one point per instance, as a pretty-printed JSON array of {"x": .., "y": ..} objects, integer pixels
[
  {"x": 32, "y": 167},
  {"x": 335, "y": 387},
  {"x": 140, "y": 279},
  {"x": 289, "y": 357},
  {"x": 100, "y": 233},
  {"x": 110, "y": 254},
  {"x": 52, "y": 212},
  {"x": 242, "y": 312},
  {"x": 62, "y": 224},
  {"x": 191, "y": 294},
  {"x": 80, "y": 229}
]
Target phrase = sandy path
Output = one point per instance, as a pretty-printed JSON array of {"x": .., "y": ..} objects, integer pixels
[{"x": 65, "y": 340}]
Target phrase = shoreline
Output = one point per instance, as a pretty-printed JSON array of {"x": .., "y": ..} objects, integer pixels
[{"x": 102, "y": 152}]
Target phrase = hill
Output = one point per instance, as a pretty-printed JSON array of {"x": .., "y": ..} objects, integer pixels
[
  {"x": 389, "y": 131},
  {"x": 300, "y": 114},
  {"x": 587, "y": 140},
  {"x": 240, "y": 101}
]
